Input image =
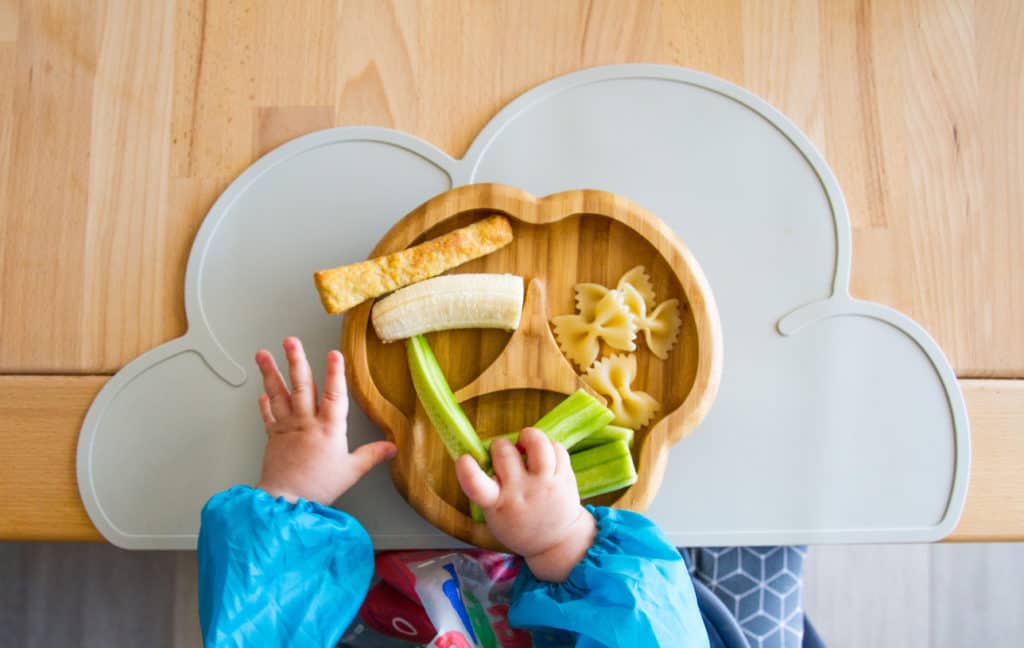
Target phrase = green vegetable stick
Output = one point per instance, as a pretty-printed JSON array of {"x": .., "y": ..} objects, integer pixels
[
  {"x": 569, "y": 422},
  {"x": 439, "y": 403},
  {"x": 607, "y": 434},
  {"x": 603, "y": 469},
  {"x": 477, "y": 513},
  {"x": 511, "y": 436}
]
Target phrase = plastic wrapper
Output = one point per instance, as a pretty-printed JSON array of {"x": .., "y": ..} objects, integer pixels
[{"x": 440, "y": 599}]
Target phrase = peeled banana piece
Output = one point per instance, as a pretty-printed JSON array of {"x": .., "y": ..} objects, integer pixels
[{"x": 458, "y": 301}]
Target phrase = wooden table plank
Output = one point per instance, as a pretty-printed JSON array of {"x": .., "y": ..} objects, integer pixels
[
  {"x": 116, "y": 106},
  {"x": 39, "y": 421},
  {"x": 995, "y": 495},
  {"x": 40, "y": 417}
]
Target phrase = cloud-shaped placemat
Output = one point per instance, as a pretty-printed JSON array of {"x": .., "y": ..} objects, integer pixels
[{"x": 837, "y": 420}]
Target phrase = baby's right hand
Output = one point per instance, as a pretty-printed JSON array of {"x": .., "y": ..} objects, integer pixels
[{"x": 533, "y": 508}]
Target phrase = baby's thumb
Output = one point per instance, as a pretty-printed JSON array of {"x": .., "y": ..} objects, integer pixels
[
  {"x": 365, "y": 457},
  {"x": 475, "y": 483}
]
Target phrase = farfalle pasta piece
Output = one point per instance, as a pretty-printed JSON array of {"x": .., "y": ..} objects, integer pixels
[
  {"x": 609, "y": 320},
  {"x": 660, "y": 327},
  {"x": 613, "y": 377},
  {"x": 577, "y": 338},
  {"x": 587, "y": 297},
  {"x": 637, "y": 278}
]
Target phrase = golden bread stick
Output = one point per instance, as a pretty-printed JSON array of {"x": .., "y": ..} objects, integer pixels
[{"x": 343, "y": 287}]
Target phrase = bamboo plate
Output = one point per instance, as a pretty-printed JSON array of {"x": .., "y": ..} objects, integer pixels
[{"x": 506, "y": 381}]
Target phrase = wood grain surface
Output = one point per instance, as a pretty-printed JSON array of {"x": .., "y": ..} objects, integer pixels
[
  {"x": 120, "y": 123},
  {"x": 531, "y": 358},
  {"x": 110, "y": 111},
  {"x": 504, "y": 380},
  {"x": 39, "y": 421},
  {"x": 995, "y": 507}
]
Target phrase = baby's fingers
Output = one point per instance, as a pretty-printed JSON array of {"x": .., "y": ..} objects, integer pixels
[
  {"x": 563, "y": 464},
  {"x": 563, "y": 469},
  {"x": 303, "y": 387},
  {"x": 334, "y": 402},
  {"x": 361, "y": 461},
  {"x": 273, "y": 384},
  {"x": 540, "y": 453},
  {"x": 265, "y": 412},
  {"x": 366, "y": 457},
  {"x": 507, "y": 462},
  {"x": 475, "y": 483}
]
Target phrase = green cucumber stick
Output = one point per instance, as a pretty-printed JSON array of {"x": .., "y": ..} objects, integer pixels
[
  {"x": 574, "y": 419},
  {"x": 439, "y": 403},
  {"x": 607, "y": 434},
  {"x": 603, "y": 469},
  {"x": 511, "y": 436},
  {"x": 569, "y": 422},
  {"x": 476, "y": 513}
]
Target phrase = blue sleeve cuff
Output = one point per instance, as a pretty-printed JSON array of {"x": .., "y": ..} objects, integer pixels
[
  {"x": 276, "y": 573},
  {"x": 631, "y": 588}
]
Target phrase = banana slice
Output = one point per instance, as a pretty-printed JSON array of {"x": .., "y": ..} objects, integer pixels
[{"x": 458, "y": 301}]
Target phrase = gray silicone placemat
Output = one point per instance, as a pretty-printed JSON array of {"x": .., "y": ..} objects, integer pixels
[{"x": 838, "y": 420}]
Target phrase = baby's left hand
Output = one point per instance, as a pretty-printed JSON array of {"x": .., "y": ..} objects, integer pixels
[{"x": 307, "y": 453}]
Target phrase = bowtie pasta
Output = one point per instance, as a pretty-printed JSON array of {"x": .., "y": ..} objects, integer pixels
[
  {"x": 616, "y": 316},
  {"x": 607, "y": 318},
  {"x": 613, "y": 377}
]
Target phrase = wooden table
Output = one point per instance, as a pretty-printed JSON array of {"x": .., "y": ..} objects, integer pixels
[{"x": 121, "y": 121}]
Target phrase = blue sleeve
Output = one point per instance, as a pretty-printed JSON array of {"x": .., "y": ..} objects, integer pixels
[
  {"x": 631, "y": 589},
  {"x": 278, "y": 574}
]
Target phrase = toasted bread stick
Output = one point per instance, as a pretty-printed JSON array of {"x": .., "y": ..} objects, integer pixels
[{"x": 343, "y": 287}]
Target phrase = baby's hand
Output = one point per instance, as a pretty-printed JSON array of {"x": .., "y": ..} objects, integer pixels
[
  {"x": 533, "y": 508},
  {"x": 307, "y": 452}
]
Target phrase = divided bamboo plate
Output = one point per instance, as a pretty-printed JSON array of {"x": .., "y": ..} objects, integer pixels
[{"x": 506, "y": 381}]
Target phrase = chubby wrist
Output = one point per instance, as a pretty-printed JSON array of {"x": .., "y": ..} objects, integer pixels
[
  {"x": 554, "y": 564},
  {"x": 270, "y": 489}
]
